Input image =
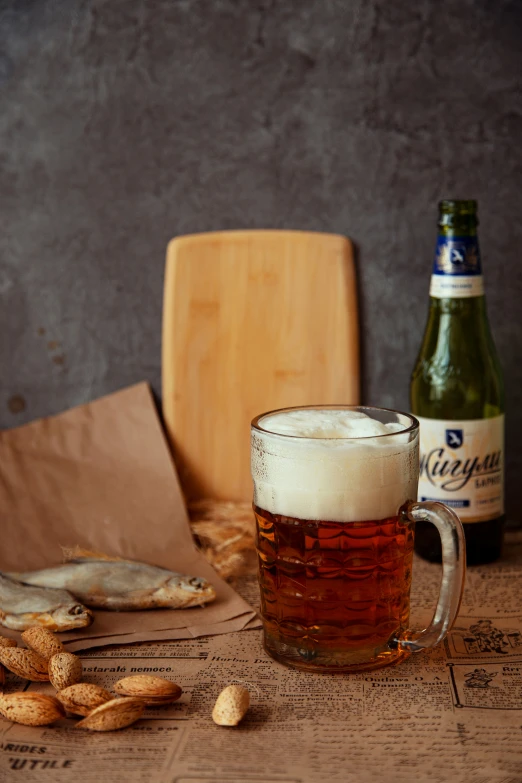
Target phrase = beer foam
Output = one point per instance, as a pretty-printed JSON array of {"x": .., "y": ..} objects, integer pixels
[{"x": 333, "y": 465}]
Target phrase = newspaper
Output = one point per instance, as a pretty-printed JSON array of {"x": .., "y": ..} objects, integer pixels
[{"x": 450, "y": 714}]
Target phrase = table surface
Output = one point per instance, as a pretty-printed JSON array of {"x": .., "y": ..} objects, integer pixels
[{"x": 448, "y": 714}]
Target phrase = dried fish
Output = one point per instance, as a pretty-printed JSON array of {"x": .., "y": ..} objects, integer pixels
[
  {"x": 126, "y": 585},
  {"x": 23, "y": 606}
]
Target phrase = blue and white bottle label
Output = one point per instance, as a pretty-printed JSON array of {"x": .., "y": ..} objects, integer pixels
[
  {"x": 457, "y": 271},
  {"x": 462, "y": 465}
]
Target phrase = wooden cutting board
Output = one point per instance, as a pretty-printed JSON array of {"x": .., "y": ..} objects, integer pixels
[{"x": 252, "y": 321}]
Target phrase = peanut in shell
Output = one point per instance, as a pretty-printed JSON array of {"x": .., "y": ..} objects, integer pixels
[
  {"x": 31, "y": 709},
  {"x": 5, "y": 641},
  {"x": 153, "y": 690},
  {"x": 231, "y": 705},
  {"x": 113, "y": 715},
  {"x": 83, "y": 698},
  {"x": 65, "y": 669},
  {"x": 25, "y": 663},
  {"x": 43, "y": 641}
]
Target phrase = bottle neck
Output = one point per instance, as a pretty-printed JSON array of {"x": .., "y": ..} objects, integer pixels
[
  {"x": 464, "y": 225},
  {"x": 457, "y": 269}
]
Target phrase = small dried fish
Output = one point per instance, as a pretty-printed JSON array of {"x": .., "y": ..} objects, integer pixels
[
  {"x": 23, "y": 606},
  {"x": 126, "y": 585}
]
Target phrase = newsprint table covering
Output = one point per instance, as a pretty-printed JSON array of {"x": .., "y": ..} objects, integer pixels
[{"x": 452, "y": 714}]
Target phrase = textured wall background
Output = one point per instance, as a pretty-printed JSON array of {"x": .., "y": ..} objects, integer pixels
[{"x": 126, "y": 122}]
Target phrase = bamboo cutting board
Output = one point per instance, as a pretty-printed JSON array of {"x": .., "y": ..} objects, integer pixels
[{"x": 252, "y": 321}]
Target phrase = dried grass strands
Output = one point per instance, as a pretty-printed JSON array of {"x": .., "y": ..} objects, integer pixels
[{"x": 225, "y": 534}]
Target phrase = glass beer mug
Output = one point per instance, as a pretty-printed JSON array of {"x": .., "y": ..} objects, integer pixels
[{"x": 335, "y": 493}]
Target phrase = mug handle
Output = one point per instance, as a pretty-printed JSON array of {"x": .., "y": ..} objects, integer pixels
[{"x": 453, "y": 573}]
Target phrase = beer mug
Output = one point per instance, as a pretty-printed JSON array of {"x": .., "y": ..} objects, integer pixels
[{"x": 335, "y": 493}]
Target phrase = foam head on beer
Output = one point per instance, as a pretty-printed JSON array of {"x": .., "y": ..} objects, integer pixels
[{"x": 333, "y": 464}]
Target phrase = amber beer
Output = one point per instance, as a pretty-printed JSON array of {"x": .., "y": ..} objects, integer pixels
[
  {"x": 334, "y": 492},
  {"x": 344, "y": 586}
]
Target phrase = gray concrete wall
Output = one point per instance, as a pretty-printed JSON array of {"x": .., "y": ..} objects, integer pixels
[{"x": 126, "y": 122}]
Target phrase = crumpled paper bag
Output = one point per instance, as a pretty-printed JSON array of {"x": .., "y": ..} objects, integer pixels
[{"x": 100, "y": 476}]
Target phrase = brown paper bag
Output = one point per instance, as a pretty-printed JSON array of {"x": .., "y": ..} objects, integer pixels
[{"x": 101, "y": 476}]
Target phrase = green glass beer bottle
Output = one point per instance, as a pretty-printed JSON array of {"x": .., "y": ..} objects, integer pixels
[{"x": 457, "y": 393}]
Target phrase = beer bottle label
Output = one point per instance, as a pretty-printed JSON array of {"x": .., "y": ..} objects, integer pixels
[
  {"x": 457, "y": 271},
  {"x": 462, "y": 465}
]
